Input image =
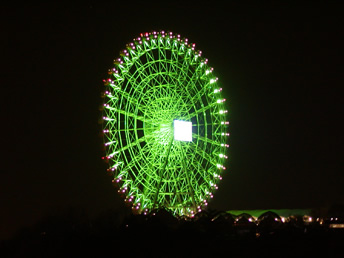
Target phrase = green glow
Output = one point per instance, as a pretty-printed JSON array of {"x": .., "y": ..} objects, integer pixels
[{"x": 159, "y": 79}]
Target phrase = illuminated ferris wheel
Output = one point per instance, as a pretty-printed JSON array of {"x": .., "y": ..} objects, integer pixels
[{"x": 164, "y": 125}]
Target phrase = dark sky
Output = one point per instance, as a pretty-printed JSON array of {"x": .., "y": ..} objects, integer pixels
[{"x": 281, "y": 68}]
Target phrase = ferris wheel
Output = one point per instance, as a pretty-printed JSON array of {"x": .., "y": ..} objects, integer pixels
[{"x": 164, "y": 125}]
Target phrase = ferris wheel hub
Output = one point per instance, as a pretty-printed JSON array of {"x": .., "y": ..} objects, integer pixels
[{"x": 182, "y": 130}]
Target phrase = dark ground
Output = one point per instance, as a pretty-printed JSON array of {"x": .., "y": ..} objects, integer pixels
[{"x": 164, "y": 236}]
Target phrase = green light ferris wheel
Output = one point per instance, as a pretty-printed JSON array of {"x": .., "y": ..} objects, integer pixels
[{"x": 164, "y": 125}]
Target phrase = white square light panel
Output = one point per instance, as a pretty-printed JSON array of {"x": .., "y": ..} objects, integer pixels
[{"x": 182, "y": 130}]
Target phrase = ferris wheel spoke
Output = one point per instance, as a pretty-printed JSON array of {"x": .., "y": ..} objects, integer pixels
[
  {"x": 206, "y": 139},
  {"x": 152, "y": 68},
  {"x": 136, "y": 162},
  {"x": 130, "y": 129},
  {"x": 175, "y": 180},
  {"x": 132, "y": 115},
  {"x": 202, "y": 173},
  {"x": 148, "y": 170},
  {"x": 163, "y": 64},
  {"x": 132, "y": 144},
  {"x": 139, "y": 76},
  {"x": 198, "y": 95},
  {"x": 198, "y": 168},
  {"x": 140, "y": 69},
  {"x": 201, "y": 110},
  {"x": 186, "y": 187},
  {"x": 151, "y": 79},
  {"x": 202, "y": 153},
  {"x": 184, "y": 89},
  {"x": 140, "y": 172},
  {"x": 178, "y": 70},
  {"x": 131, "y": 100},
  {"x": 189, "y": 182},
  {"x": 191, "y": 81},
  {"x": 150, "y": 57}
]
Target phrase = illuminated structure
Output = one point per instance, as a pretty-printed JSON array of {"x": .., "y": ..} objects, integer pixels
[{"x": 164, "y": 125}]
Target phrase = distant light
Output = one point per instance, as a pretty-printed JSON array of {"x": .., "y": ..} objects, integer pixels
[{"x": 336, "y": 225}]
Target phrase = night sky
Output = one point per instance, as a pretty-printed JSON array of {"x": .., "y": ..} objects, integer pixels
[{"x": 281, "y": 68}]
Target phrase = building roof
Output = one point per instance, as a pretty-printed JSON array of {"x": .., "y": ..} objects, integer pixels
[{"x": 280, "y": 212}]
